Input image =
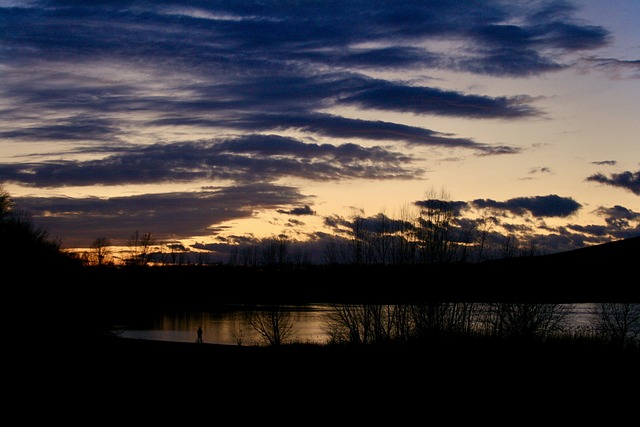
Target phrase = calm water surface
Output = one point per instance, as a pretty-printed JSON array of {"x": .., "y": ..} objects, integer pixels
[{"x": 230, "y": 325}]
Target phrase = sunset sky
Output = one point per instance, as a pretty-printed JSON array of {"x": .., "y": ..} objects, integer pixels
[{"x": 214, "y": 123}]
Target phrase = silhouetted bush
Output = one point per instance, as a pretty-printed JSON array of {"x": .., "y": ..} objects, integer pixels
[{"x": 23, "y": 244}]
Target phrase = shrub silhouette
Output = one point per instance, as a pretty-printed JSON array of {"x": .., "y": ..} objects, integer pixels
[{"x": 22, "y": 242}]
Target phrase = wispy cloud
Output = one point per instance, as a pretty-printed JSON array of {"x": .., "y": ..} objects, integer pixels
[
  {"x": 243, "y": 159},
  {"x": 251, "y": 93}
]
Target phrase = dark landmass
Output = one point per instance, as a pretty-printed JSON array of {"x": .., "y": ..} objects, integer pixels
[
  {"x": 607, "y": 273},
  {"x": 456, "y": 371},
  {"x": 604, "y": 273},
  {"x": 59, "y": 347}
]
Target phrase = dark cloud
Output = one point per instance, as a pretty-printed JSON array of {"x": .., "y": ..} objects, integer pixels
[
  {"x": 79, "y": 128},
  {"x": 240, "y": 57},
  {"x": 615, "y": 68},
  {"x": 166, "y": 216},
  {"x": 618, "y": 216},
  {"x": 627, "y": 180},
  {"x": 538, "y": 206},
  {"x": 541, "y": 169},
  {"x": 591, "y": 229},
  {"x": 502, "y": 49},
  {"x": 427, "y": 100},
  {"x": 342, "y": 127},
  {"x": 305, "y": 210},
  {"x": 380, "y": 223},
  {"x": 294, "y": 223},
  {"x": 247, "y": 158},
  {"x": 391, "y": 57},
  {"x": 443, "y": 205},
  {"x": 335, "y": 222},
  {"x": 596, "y": 234},
  {"x": 508, "y": 61},
  {"x": 119, "y": 84},
  {"x": 564, "y": 239}
]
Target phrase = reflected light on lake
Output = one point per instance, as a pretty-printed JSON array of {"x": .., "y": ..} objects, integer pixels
[{"x": 230, "y": 325}]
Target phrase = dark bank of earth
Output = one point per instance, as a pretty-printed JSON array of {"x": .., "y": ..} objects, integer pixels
[
  {"x": 603, "y": 273},
  {"x": 445, "y": 362},
  {"x": 95, "y": 296}
]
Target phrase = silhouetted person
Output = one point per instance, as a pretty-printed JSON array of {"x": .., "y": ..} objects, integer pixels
[{"x": 199, "y": 334}]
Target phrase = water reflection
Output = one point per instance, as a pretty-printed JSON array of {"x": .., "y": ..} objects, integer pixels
[{"x": 230, "y": 325}]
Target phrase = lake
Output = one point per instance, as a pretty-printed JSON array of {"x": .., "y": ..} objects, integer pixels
[{"x": 229, "y": 324}]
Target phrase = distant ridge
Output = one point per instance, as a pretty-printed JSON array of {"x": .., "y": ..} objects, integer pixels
[
  {"x": 604, "y": 272},
  {"x": 619, "y": 251},
  {"x": 624, "y": 249}
]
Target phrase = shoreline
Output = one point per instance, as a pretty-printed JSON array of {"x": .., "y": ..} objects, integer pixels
[{"x": 140, "y": 367}]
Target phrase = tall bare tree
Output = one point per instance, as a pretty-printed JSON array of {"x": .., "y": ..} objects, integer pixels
[
  {"x": 140, "y": 249},
  {"x": 443, "y": 319},
  {"x": 618, "y": 323},
  {"x": 405, "y": 244},
  {"x": 434, "y": 228},
  {"x": 101, "y": 250},
  {"x": 382, "y": 239},
  {"x": 527, "y": 321},
  {"x": 273, "y": 323},
  {"x": 358, "y": 242},
  {"x": 275, "y": 250},
  {"x": 6, "y": 204},
  {"x": 484, "y": 226},
  {"x": 368, "y": 323}
]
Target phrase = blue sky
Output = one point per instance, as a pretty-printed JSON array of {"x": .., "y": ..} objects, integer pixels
[{"x": 214, "y": 123}]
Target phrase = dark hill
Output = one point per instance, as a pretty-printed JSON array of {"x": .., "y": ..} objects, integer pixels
[
  {"x": 618, "y": 251},
  {"x": 604, "y": 272}
]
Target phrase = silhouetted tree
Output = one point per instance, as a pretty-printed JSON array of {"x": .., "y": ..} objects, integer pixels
[
  {"x": 101, "y": 251},
  {"x": 509, "y": 246},
  {"x": 22, "y": 242},
  {"x": 172, "y": 254},
  {"x": 404, "y": 249},
  {"x": 275, "y": 251},
  {"x": 382, "y": 239},
  {"x": 6, "y": 204},
  {"x": 527, "y": 321},
  {"x": 434, "y": 228},
  {"x": 348, "y": 323},
  {"x": 484, "y": 226},
  {"x": 336, "y": 251},
  {"x": 368, "y": 323},
  {"x": 618, "y": 323},
  {"x": 202, "y": 258},
  {"x": 301, "y": 258},
  {"x": 246, "y": 255},
  {"x": 443, "y": 318},
  {"x": 358, "y": 242},
  {"x": 140, "y": 249},
  {"x": 273, "y": 323}
]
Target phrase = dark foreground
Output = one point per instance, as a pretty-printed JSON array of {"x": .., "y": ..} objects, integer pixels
[
  {"x": 442, "y": 361},
  {"x": 123, "y": 381}
]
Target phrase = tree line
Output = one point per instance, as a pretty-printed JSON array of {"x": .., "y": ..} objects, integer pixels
[
  {"x": 431, "y": 232},
  {"x": 23, "y": 242},
  {"x": 615, "y": 324}
]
